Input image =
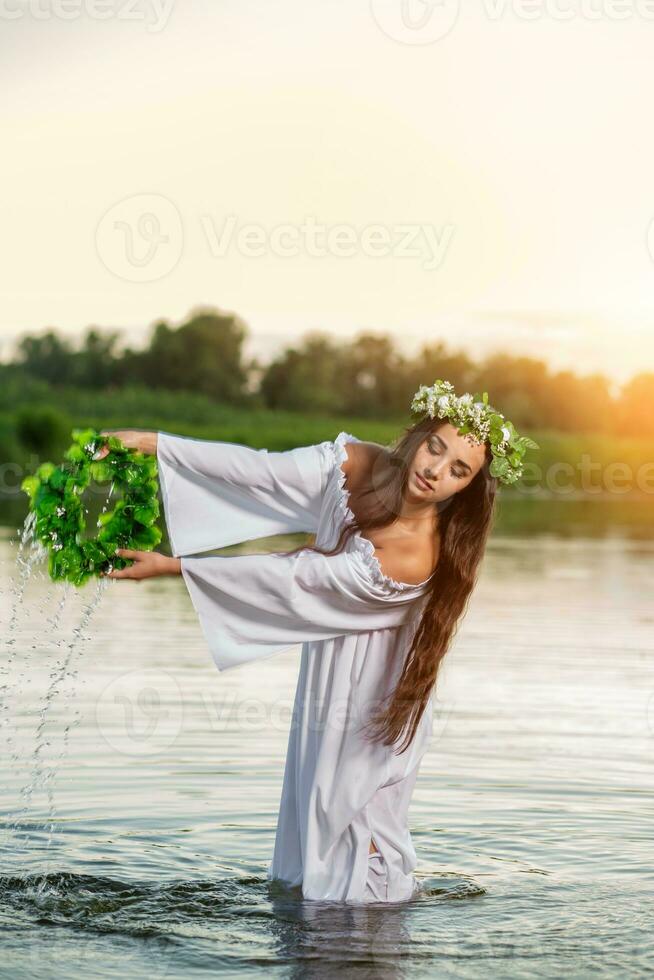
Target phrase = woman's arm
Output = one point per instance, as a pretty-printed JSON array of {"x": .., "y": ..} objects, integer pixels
[
  {"x": 147, "y": 564},
  {"x": 252, "y": 606},
  {"x": 142, "y": 441},
  {"x": 218, "y": 493}
]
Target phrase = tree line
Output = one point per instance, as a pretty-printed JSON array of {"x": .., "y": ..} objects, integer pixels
[{"x": 365, "y": 376}]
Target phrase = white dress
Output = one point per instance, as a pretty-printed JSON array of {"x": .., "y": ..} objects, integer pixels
[{"x": 355, "y": 625}]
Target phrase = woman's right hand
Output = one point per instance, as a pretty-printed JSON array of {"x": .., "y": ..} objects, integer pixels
[{"x": 143, "y": 442}]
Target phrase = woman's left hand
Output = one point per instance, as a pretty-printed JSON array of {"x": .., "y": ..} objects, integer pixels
[{"x": 147, "y": 564}]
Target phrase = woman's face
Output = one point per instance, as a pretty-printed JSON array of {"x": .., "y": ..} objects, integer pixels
[{"x": 448, "y": 461}]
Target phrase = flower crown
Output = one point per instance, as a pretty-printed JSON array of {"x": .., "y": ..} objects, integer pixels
[{"x": 474, "y": 415}]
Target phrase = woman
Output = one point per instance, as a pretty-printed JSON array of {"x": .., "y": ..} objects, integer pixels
[{"x": 374, "y": 613}]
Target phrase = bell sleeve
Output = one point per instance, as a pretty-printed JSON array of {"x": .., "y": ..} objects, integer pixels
[
  {"x": 253, "y": 606},
  {"x": 216, "y": 494}
]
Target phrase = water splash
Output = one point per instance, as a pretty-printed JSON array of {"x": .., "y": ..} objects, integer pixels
[
  {"x": 42, "y": 775},
  {"x": 65, "y": 670},
  {"x": 36, "y": 554},
  {"x": 106, "y": 504}
]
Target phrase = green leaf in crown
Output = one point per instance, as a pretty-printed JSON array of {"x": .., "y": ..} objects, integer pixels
[
  {"x": 472, "y": 413},
  {"x": 55, "y": 494}
]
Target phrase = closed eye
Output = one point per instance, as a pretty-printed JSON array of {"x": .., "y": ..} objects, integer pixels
[{"x": 434, "y": 452}]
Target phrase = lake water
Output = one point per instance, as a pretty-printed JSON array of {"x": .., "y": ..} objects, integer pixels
[{"x": 140, "y": 787}]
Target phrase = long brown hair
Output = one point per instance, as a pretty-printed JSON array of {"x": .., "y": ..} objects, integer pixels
[{"x": 464, "y": 521}]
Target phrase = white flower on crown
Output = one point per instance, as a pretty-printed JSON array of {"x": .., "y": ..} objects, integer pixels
[{"x": 478, "y": 417}]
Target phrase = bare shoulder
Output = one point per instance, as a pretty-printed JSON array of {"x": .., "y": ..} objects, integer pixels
[
  {"x": 408, "y": 560},
  {"x": 360, "y": 459},
  {"x": 411, "y": 564}
]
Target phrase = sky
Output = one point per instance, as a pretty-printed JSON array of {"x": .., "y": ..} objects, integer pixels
[{"x": 481, "y": 175}]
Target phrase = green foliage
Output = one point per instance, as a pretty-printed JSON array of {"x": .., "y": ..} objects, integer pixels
[
  {"x": 203, "y": 355},
  {"x": 472, "y": 413},
  {"x": 40, "y": 427},
  {"x": 55, "y": 494},
  {"x": 48, "y": 357},
  {"x": 52, "y": 358},
  {"x": 363, "y": 377}
]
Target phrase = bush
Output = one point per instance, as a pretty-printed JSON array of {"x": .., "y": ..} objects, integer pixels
[{"x": 43, "y": 429}]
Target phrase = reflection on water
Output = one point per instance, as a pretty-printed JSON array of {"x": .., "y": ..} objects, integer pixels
[{"x": 144, "y": 852}]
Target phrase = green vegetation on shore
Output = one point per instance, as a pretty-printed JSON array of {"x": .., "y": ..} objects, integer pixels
[
  {"x": 38, "y": 428},
  {"x": 595, "y": 459}
]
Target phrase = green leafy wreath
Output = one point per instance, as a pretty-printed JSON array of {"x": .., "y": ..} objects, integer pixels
[{"x": 56, "y": 499}]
